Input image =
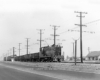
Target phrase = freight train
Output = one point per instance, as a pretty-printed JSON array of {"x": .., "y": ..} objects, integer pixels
[{"x": 47, "y": 54}]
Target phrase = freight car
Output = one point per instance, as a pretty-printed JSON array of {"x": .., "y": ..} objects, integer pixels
[
  {"x": 9, "y": 58},
  {"x": 47, "y": 54}
]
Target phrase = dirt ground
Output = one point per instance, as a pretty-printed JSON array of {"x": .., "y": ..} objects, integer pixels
[{"x": 84, "y": 67}]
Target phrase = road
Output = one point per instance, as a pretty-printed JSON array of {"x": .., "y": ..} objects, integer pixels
[
  {"x": 13, "y": 74},
  {"x": 59, "y": 74}
]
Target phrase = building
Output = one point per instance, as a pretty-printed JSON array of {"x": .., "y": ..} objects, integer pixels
[{"x": 93, "y": 55}]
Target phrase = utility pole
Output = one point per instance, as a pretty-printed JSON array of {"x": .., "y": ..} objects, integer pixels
[
  {"x": 81, "y": 51},
  {"x": 40, "y": 39},
  {"x": 88, "y": 49},
  {"x": 27, "y": 46},
  {"x": 6, "y": 56},
  {"x": 55, "y": 33},
  {"x": 19, "y": 50},
  {"x": 75, "y": 51},
  {"x": 8, "y": 53},
  {"x": 13, "y": 51}
]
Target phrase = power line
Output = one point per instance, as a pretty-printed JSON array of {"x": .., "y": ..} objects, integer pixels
[
  {"x": 93, "y": 21},
  {"x": 77, "y": 27},
  {"x": 67, "y": 30},
  {"x": 82, "y": 31}
]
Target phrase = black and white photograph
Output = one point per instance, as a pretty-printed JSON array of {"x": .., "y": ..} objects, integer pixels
[{"x": 49, "y": 39}]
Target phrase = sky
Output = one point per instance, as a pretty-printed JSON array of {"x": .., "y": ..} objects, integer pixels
[{"x": 21, "y": 19}]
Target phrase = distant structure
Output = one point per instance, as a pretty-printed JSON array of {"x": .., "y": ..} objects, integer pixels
[{"x": 93, "y": 55}]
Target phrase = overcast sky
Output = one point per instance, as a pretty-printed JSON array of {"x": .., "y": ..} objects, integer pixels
[{"x": 20, "y": 19}]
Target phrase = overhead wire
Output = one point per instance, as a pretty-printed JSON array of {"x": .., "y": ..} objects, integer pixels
[
  {"x": 67, "y": 30},
  {"x": 93, "y": 21},
  {"x": 77, "y": 27}
]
